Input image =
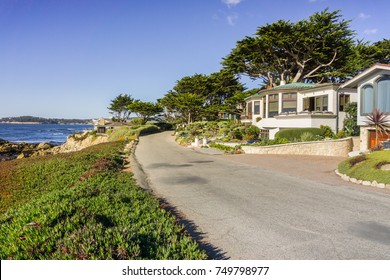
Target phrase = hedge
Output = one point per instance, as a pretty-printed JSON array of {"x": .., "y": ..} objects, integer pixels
[{"x": 295, "y": 133}]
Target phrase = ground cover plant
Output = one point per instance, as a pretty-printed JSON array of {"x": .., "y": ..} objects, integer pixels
[
  {"x": 367, "y": 167},
  {"x": 131, "y": 132},
  {"x": 81, "y": 206},
  {"x": 227, "y": 149}
]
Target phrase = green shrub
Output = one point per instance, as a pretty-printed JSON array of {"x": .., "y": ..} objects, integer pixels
[
  {"x": 350, "y": 122},
  {"x": 328, "y": 133},
  {"x": 121, "y": 133},
  {"x": 251, "y": 132},
  {"x": 137, "y": 121},
  {"x": 164, "y": 125},
  {"x": 306, "y": 136},
  {"x": 341, "y": 134},
  {"x": 223, "y": 131},
  {"x": 149, "y": 129},
  {"x": 293, "y": 134},
  {"x": 132, "y": 132},
  {"x": 226, "y": 149},
  {"x": 224, "y": 124},
  {"x": 269, "y": 142},
  {"x": 236, "y": 134},
  {"x": 92, "y": 133},
  {"x": 183, "y": 133}
]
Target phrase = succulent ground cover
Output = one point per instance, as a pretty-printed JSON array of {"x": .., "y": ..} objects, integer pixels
[
  {"x": 81, "y": 206},
  {"x": 367, "y": 167}
]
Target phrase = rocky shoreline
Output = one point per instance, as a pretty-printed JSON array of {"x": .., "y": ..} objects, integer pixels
[
  {"x": 9, "y": 150},
  {"x": 76, "y": 142}
]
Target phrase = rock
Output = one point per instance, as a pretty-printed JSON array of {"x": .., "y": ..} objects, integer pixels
[
  {"x": 353, "y": 180},
  {"x": 381, "y": 185},
  {"x": 354, "y": 153},
  {"x": 21, "y": 156},
  {"x": 44, "y": 146},
  {"x": 9, "y": 150},
  {"x": 374, "y": 184},
  {"x": 385, "y": 167},
  {"x": 366, "y": 183},
  {"x": 345, "y": 177}
]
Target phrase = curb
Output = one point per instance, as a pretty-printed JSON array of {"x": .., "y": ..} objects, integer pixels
[
  {"x": 361, "y": 182},
  {"x": 139, "y": 174}
]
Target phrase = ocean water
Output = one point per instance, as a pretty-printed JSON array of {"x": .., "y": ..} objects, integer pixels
[{"x": 37, "y": 133}]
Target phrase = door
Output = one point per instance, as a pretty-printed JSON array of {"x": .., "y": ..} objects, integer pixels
[{"x": 382, "y": 137}]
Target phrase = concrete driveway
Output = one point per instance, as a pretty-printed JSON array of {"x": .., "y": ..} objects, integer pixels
[
  {"x": 266, "y": 207},
  {"x": 318, "y": 168}
]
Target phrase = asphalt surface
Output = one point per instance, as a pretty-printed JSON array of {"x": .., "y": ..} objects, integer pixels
[{"x": 240, "y": 210}]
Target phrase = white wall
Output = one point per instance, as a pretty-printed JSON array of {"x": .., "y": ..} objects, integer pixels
[
  {"x": 303, "y": 120},
  {"x": 332, "y": 101},
  {"x": 367, "y": 80}
]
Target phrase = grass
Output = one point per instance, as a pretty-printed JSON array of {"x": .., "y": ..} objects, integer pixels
[
  {"x": 81, "y": 206},
  {"x": 367, "y": 167}
]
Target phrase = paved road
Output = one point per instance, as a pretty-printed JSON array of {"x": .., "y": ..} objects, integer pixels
[{"x": 241, "y": 211}]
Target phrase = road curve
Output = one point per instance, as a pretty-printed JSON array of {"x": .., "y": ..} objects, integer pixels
[{"x": 244, "y": 212}]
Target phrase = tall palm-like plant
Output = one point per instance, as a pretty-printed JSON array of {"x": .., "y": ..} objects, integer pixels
[{"x": 380, "y": 121}]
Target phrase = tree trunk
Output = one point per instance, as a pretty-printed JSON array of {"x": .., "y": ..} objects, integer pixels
[
  {"x": 298, "y": 75},
  {"x": 376, "y": 136}
]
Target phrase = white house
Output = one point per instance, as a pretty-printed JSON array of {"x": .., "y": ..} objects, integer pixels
[
  {"x": 373, "y": 89},
  {"x": 298, "y": 105}
]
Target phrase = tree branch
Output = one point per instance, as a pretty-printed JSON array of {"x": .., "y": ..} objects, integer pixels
[{"x": 310, "y": 74}]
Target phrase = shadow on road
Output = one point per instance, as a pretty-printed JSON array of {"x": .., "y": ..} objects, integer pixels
[{"x": 213, "y": 252}]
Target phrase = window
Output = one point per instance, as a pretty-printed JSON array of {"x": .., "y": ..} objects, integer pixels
[
  {"x": 256, "y": 110},
  {"x": 308, "y": 104},
  {"x": 321, "y": 103},
  {"x": 289, "y": 103},
  {"x": 343, "y": 100},
  {"x": 264, "y": 106},
  {"x": 249, "y": 109},
  {"x": 367, "y": 99},
  {"x": 273, "y": 105},
  {"x": 383, "y": 95},
  {"x": 376, "y": 96}
]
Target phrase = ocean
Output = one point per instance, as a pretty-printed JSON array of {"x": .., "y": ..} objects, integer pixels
[{"x": 37, "y": 133}]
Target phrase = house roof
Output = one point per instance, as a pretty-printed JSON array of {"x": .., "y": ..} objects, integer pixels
[
  {"x": 282, "y": 88},
  {"x": 295, "y": 86},
  {"x": 355, "y": 81}
]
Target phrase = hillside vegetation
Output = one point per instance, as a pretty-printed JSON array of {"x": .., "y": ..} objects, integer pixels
[
  {"x": 45, "y": 120},
  {"x": 81, "y": 205}
]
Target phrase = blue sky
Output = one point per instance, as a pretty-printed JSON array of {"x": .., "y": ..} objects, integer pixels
[{"x": 69, "y": 58}]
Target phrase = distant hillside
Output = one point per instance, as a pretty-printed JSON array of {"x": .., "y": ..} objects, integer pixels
[{"x": 31, "y": 119}]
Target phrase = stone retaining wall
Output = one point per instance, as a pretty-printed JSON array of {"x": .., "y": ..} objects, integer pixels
[{"x": 336, "y": 148}]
